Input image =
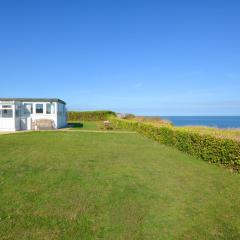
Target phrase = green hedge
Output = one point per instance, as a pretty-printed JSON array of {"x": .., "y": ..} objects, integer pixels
[
  {"x": 90, "y": 115},
  {"x": 207, "y": 147}
]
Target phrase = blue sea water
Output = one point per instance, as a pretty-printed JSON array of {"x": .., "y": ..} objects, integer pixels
[{"x": 220, "y": 122}]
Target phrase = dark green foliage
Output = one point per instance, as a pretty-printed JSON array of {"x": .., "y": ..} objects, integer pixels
[
  {"x": 90, "y": 115},
  {"x": 205, "y": 146},
  {"x": 129, "y": 116}
]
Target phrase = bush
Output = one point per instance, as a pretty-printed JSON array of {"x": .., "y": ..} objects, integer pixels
[
  {"x": 129, "y": 116},
  {"x": 210, "y": 148},
  {"x": 90, "y": 115}
]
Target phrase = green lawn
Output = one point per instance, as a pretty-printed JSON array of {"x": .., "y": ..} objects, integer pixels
[{"x": 79, "y": 185}]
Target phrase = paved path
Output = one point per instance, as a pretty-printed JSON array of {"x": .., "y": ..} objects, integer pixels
[
  {"x": 23, "y": 131},
  {"x": 1, "y": 133},
  {"x": 72, "y": 130}
]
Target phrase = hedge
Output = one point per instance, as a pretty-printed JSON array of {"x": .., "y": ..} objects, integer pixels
[
  {"x": 207, "y": 147},
  {"x": 90, "y": 115}
]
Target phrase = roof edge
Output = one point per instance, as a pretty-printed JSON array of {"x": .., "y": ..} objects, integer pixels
[{"x": 33, "y": 100}]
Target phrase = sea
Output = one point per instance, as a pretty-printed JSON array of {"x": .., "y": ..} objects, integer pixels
[{"x": 214, "y": 121}]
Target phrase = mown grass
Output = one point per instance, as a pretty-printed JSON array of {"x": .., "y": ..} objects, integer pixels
[{"x": 78, "y": 185}]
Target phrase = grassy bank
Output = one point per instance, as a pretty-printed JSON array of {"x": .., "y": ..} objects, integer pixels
[
  {"x": 76, "y": 185},
  {"x": 220, "y": 133}
]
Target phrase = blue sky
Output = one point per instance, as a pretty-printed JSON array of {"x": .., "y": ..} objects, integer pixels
[{"x": 147, "y": 57}]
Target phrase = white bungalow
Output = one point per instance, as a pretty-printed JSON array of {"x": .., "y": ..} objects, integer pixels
[{"x": 32, "y": 114}]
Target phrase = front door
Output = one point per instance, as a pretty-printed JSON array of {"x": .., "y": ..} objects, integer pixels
[{"x": 23, "y": 123}]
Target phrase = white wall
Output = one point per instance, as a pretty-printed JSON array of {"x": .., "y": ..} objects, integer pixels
[{"x": 8, "y": 124}]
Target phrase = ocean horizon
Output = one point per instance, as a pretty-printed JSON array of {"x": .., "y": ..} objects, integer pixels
[{"x": 208, "y": 121}]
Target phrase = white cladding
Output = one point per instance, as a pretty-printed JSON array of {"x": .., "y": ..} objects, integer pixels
[{"x": 19, "y": 115}]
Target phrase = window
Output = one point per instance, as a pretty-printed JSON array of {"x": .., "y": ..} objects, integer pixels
[
  {"x": 48, "y": 110},
  {"x": 53, "y": 108},
  {"x": 39, "y": 108},
  {"x": 17, "y": 111},
  {"x": 28, "y": 108},
  {"x": 7, "y": 113},
  {"x": 61, "y": 109}
]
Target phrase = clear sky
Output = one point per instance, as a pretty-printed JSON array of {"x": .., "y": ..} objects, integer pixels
[{"x": 147, "y": 57}]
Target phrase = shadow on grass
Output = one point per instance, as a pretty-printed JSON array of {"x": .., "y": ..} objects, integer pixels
[{"x": 75, "y": 125}]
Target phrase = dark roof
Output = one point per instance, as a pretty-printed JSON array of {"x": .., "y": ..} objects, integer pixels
[{"x": 33, "y": 100}]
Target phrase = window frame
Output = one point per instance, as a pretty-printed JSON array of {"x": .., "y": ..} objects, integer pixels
[
  {"x": 6, "y": 115},
  {"x": 36, "y": 108},
  {"x": 48, "y": 105},
  {"x": 25, "y": 108},
  {"x": 6, "y": 107}
]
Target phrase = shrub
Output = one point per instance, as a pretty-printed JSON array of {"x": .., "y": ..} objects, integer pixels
[
  {"x": 210, "y": 148},
  {"x": 129, "y": 116},
  {"x": 90, "y": 115}
]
